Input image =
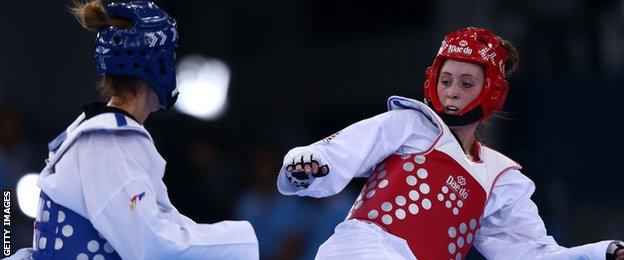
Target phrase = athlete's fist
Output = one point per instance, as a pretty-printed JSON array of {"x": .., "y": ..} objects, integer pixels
[{"x": 302, "y": 165}]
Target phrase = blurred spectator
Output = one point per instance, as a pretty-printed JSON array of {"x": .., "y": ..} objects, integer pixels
[
  {"x": 15, "y": 150},
  {"x": 279, "y": 221},
  {"x": 203, "y": 179},
  {"x": 16, "y": 159}
]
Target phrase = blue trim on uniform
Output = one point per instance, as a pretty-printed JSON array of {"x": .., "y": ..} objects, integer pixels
[
  {"x": 56, "y": 143},
  {"x": 397, "y": 102},
  {"x": 121, "y": 119}
]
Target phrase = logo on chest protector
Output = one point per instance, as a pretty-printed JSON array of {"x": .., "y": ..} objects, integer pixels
[{"x": 456, "y": 185}]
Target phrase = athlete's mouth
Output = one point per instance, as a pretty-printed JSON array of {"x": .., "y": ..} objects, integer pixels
[{"x": 451, "y": 109}]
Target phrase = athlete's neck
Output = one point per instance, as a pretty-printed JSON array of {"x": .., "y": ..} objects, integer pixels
[
  {"x": 137, "y": 105},
  {"x": 466, "y": 135}
]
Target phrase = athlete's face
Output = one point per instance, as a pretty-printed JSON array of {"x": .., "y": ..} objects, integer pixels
[{"x": 459, "y": 84}]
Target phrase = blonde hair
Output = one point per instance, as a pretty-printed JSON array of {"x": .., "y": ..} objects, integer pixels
[{"x": 92, "y": 15}]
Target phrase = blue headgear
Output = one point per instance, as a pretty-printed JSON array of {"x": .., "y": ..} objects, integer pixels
[{"x": 145, "y": 50}]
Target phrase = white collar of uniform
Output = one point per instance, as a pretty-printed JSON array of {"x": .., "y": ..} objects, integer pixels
[
  {"x": 497, "y": 163},
  {"x": 109, "y": 121},
  {"x": 399, "y": 103}
]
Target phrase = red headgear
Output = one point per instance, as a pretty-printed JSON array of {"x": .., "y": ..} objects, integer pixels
[{"x": 475, "y": 45}]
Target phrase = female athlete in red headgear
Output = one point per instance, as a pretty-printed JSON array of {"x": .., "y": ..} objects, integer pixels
[{"x": 433, "y": 190}]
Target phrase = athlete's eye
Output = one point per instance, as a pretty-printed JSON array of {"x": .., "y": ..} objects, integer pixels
[{"x": 467, "y": 85}]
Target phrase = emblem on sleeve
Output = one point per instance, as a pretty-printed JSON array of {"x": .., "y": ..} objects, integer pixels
[
  {"x": 135, "y": 199},
  {"x": 328, "y": 139}
]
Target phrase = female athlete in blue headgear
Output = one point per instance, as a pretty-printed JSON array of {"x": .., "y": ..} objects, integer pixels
[{"x": 102, "y": 194}]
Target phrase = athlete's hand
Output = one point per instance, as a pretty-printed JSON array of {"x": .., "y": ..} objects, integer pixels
[{"x": 302, "y": 165}]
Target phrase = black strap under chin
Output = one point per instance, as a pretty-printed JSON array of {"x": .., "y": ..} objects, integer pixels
[{"x": 462, "y": 120}]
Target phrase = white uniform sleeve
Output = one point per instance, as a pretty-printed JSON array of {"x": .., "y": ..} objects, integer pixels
[
  {"x": 148, "y": 227},
  {"x": 512, "y": 228},
  {"x": 355, "y": 150}
]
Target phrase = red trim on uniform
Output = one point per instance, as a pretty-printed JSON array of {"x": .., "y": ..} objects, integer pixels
[
  {"x": 432, "y": 144},
  {"x": 476, "y": 150},
  {"x": 440, "y": 127},
  {"x": 517, "y": 167},
  {"x": 517, "y": 164}
]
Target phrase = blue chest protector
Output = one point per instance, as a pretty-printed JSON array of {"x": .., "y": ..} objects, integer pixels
[{"x": 60, "y": 233}]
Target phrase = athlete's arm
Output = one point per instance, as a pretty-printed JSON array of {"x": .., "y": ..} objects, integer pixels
[
  {"x": 512, "y": 228},
  {"x": 353, "y": 152}
]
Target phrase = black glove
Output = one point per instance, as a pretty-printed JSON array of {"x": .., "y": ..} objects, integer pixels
[{"x": 298, "y": 160}]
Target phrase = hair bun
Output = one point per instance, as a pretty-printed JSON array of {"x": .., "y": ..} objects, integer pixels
[
  {"x": 92, "y": 16},
  {"x": 511, "y": 64}
]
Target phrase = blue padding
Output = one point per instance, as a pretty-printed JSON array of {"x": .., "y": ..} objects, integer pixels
[{"x": 61, "y": 233}]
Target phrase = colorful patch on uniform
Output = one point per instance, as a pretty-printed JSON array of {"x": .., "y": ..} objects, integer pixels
[{"x": 135, "y": 199}]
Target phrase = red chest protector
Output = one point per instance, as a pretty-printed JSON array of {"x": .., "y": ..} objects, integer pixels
[
  {"x": 428, "y": 200},
  {"x": 432, "y": 200}
]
